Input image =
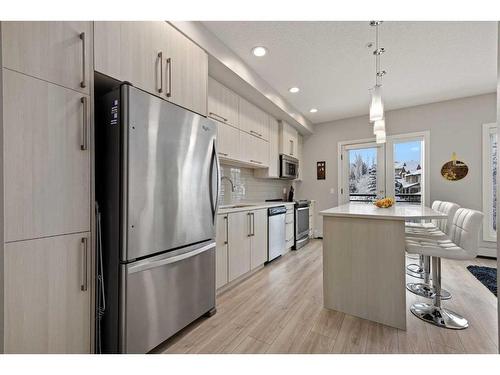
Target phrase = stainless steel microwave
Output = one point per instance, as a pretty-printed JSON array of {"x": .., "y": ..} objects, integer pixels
[{"x": 289, "y": 167}]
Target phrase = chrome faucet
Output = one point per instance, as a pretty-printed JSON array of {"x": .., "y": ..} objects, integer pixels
[{"x": 227, "y": 178}]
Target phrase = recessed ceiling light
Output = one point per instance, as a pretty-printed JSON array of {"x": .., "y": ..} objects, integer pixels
[
  {"x": 294, "y": 90},
  {"x": 259, "y": 51},
  {"x": 313, "y": 110}
]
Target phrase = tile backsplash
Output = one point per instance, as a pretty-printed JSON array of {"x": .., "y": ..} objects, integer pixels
[{"x": 247, "y": 187}]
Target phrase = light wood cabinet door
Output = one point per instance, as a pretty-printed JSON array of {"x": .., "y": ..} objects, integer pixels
[
  {"x": 47, "y": 300},
  {"x": 56, "y": 51},
  {"x": 133, "y": 51},
  {"x": 228, "y": 140},
  {"x": 46, "y": 172},
  {"x": 299, "y": 156},
  {"x": 254, "y": 150},
  {"x": 187, "y": 72},
  {"x": 221, "y": 256},
  {"x": 253, "y": 120},
  {"x": 239, "y": 244},
  {"x": 259, "y": 238},
  {"x": 288, "y": 140},
  {"x": 223, "y": 104},
  {"x": 273, "y": 150}
]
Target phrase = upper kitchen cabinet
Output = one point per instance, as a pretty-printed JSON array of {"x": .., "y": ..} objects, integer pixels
[
  {"x": 253, "y": 150},
  {"x": 187, "y": 72},
  {"x": 223, "y": 104},
  {"x": 273, "y": 147},
  {"x": 288, "y": 140},
  {"x": 133, "y": 51},
  {"x": 155, "y": 57},
  {"x": 58, "y": 52},
  {"x": 46, "y": 158},
  {"x": 253, "y": 120},
  {"x": 228, "y": 142}
]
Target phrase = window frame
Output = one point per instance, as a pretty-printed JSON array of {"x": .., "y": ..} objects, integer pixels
[{"x": 489, "y": 234}]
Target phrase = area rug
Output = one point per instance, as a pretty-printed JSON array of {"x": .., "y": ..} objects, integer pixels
[{"x": 487, "y": 276}]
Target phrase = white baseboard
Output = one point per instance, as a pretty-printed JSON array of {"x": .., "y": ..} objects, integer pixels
[{"x": 487, "y": 252}]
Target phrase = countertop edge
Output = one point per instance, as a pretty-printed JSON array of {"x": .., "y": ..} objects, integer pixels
[{"x": 258, "y": 206}]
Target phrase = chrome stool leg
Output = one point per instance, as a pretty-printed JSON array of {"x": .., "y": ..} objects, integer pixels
[
  {"x": 435, "y": 314},
  {"x": 416, "y": 270},
  {"x": 425, "y": 289}
]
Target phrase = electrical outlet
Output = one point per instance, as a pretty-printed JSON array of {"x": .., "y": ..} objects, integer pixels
[{"x": 332, "y": 191}]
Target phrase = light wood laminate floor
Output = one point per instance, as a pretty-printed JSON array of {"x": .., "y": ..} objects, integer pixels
[{"x": 280, "y": 310}]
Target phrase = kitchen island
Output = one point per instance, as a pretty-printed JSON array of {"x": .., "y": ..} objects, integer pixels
[{"x": 364, "y": 259}]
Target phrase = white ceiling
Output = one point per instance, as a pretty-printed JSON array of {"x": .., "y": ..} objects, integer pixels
[{"x": 330, "y": 63}]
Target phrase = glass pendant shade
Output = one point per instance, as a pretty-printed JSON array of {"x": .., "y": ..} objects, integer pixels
[
  {"x": 380, "y": 137},
  {"x": 376, "y": 106},
  {"x": 379, "y": 126}
]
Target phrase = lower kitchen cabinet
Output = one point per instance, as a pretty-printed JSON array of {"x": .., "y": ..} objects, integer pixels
[
  {"x": 259, "y": 238},
  {"x": 289, "y": 227},
  {"x": 241, "y": 244},
  {"x": 221, "y": 266},
  {"x": 47, "y": 295}
]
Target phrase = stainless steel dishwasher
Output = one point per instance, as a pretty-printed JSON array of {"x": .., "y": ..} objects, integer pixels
[{"x": 276, "y": 232}]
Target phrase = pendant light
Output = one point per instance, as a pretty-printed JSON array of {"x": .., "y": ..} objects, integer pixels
[
  {"x": 379, "y": 127},
  {"x": 377, "y": 115}
]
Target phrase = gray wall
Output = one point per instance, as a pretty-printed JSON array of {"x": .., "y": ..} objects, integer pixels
[{"x": 455, "y": 126}]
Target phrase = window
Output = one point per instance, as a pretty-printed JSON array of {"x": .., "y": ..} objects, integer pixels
[
  {"x": 395, "y": 169},
  {"x": 489, "y": 181},
  {"x": 408, "y": 172}
]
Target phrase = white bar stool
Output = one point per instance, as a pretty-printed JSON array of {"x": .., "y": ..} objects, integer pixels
[
  {"x": 419, "y": 229},
  {"x": 463, "y": 245}
]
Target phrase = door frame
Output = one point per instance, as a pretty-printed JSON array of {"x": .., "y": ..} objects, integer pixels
[
  {"x": 345, "y": 170},
  {"x": 425, "y": 135}
]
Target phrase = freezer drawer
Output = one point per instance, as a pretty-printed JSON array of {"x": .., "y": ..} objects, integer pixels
[{"x": 164, "y": 294}]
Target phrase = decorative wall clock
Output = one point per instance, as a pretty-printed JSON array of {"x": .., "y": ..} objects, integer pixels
[{"x": 454, "y": 170}]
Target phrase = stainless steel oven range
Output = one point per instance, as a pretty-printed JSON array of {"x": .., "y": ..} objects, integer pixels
[{"x": 301, "y": 223}]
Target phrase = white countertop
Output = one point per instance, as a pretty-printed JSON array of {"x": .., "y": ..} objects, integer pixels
[
  {"x": 249, "y": 206},
  {"x": 399, "y": 211}
]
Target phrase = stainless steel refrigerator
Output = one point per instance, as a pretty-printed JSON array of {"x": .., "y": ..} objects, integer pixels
[{"x": 157, "y": 183}]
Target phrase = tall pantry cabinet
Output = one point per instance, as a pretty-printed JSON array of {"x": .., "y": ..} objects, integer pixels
[{"x": 46, "y": 262}]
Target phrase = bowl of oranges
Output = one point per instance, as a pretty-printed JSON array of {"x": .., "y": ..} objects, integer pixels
[{"x": 384, "y": 202}]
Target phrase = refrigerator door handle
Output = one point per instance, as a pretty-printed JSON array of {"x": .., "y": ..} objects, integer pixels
[
  {"x": 146, "y": 265},
  {"x": 214, "y": 201}
]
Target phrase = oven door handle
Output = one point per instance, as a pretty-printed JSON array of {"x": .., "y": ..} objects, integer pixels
[{"x": 302, "y": 208}]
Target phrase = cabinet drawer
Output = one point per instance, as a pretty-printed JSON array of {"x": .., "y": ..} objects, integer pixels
[
  {"x": 58, "y": 51},
  {"x": 47, "y": 174}
]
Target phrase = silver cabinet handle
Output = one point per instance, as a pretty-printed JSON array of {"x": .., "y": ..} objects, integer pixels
[
  {"x": 160, "y": 57},
  {"x": 257, "y": 134},
  {"x": 222, "y": 153},
  {"x": 249, "y": 233},
  {"x": 83, "y": 84},
  {"x": 226, "y": 241},
  {"x": 219, "y": 117},
  {"x": 255, "y": 161},
  {"x": 84, "y": 145},
  {"x": 169, "y": 66},
  {"x": 291, "y": 147},
  {"x": 84, "y": 245},
  {"x": 253, "y": 224}
]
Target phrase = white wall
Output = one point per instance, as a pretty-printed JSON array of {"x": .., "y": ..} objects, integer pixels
[{"x": 455, "y": 126}]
